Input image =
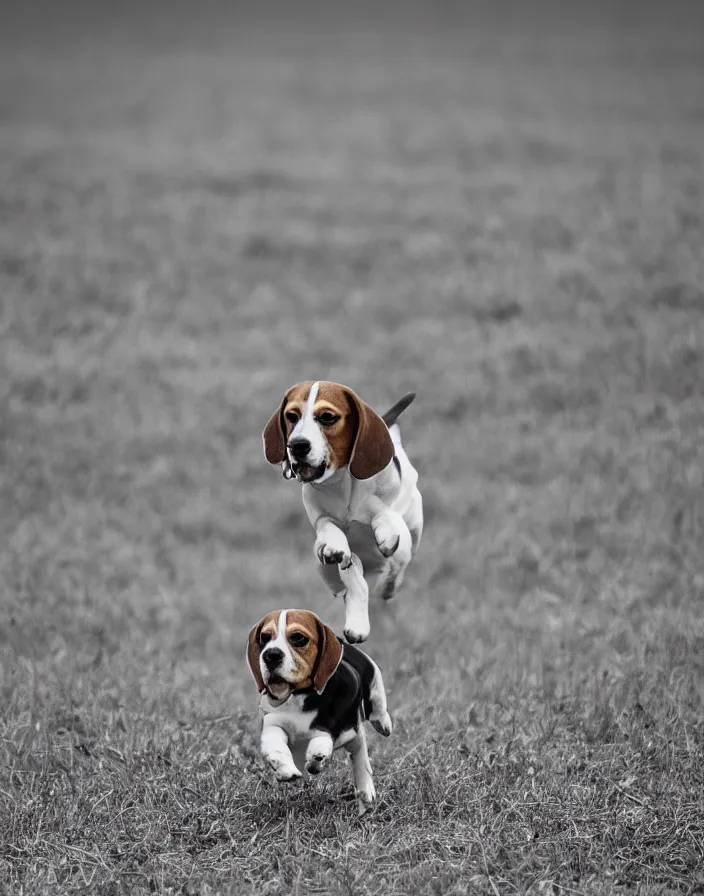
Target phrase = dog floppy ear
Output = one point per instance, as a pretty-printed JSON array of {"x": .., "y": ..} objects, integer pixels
[
  {"x": 253, "y": 653},
  {"x": 373, "y": 449},
  {"x": 274, "y": 436},
  {"x": 329, "y": 656}
]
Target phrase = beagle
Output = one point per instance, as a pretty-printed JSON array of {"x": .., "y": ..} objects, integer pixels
[
  {"x": 316, "y": 693},
  {"x": 359, "y": 490}
]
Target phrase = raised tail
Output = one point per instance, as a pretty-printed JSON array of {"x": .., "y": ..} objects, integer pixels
[{"x": 394, "y": 412}]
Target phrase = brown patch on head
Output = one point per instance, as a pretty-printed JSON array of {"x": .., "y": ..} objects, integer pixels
[
  {"x": 301, "y": 624},
  {"x": 278, "y": 429},
  {"x": 360, "y": 437},
  {"x": 320, "y": 657},
  {"x": 329, "y": 656},
  {"x": 340, "y": 435},
  {"x": 254, "y": 646}
]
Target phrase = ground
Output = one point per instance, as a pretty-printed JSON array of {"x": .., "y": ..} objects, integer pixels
[{"x": 501, "y": 210}]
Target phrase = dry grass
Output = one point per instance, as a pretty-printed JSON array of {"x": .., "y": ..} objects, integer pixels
[{"x": 506, "y": 216}]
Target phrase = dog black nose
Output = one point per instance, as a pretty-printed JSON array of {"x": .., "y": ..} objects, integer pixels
[
  {"x": 272, "y": 657},
  {"x": 299, "y": 447}
]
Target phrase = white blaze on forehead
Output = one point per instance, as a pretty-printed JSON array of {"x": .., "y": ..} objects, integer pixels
[
  {"x": 285, "y": 670},
  {"x": 307, "y": 413},
  {"x": 312, "y": 398},
  {"x": 307, "y": 428},
  {"x": 281, "y": 625}
]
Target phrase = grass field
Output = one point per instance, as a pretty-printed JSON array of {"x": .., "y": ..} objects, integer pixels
[{"x": 503, "y": 214}]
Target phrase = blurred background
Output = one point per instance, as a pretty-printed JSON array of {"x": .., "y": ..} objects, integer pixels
[{"x": 496, "y": 205}]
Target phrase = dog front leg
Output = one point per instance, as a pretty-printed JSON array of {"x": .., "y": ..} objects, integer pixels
[
  {"x": 351, "y": 587},
  {"x": 275, "y": 750},
  {"x": 356, "y": 597},
  {"x": 318, "y": 752},
  {"x": 379, "y": 716},
  {"x": 331, "y": 545},
  {"x": 391, "y": 533},
  {"x": 362, "y": 770}
]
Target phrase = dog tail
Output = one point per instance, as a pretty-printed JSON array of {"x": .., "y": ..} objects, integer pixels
[{"x": 392, "y": 415}]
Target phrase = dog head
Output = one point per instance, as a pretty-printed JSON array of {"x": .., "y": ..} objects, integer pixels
[
  {"x": 290, "y": 650},
  {"x": 322, "y": 427}
]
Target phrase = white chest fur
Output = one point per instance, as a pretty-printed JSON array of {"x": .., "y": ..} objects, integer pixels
[
  {"x": 347, "y": 500},
  {"x": 290, "y": 716}
]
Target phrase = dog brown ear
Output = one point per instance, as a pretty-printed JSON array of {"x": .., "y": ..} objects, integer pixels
[
  {"x": 274, "y": 436},
  {"x": 253, "y": 652},
  {"x": 329, "y": 656},
  {"x": 373, "y": 449}
]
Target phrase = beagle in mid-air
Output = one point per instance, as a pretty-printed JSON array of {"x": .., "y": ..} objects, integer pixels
[
  {"x": 359, "y": 490},
  {"x": 316, "y": 693}
]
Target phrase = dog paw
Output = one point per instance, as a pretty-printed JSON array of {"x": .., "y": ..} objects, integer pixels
[
  {"x": 331, "y": 554},
  {"x": 387, "y": 539},
  {"x": 315, "y": 764},
  {"x": 356, "y": 631},
  {"x": 365, "y": 797},
  {"x": 382, "y": 723},
  {"x": 285, "y": 773}
]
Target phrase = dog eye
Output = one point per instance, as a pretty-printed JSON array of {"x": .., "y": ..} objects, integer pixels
[
  {"x": 298, "y": 640},
  {"x": 292, "y": 416},
  {"x": 327, "y": 419},
  {"x": 264, "y": 638}
]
